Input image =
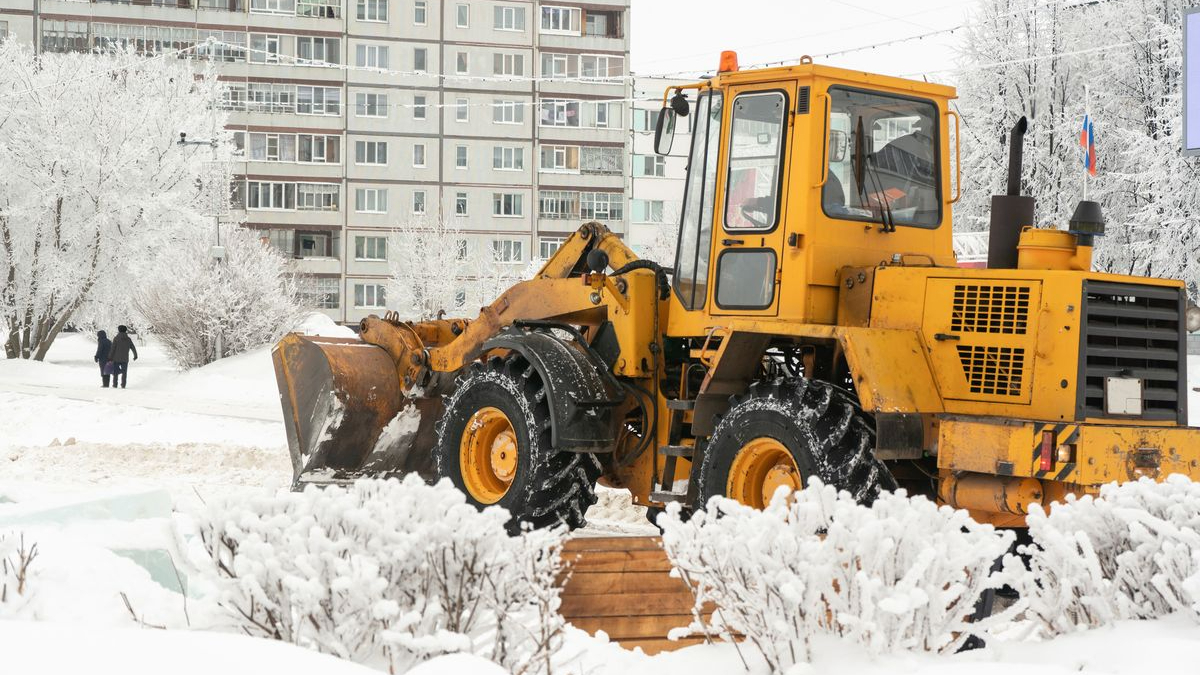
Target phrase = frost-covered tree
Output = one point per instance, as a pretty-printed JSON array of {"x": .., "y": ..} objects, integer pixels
[
  {"x": 1023, "y": 57},
  {"x": 435, "y": 267},
  {"x": 249, "y": 299},
  {"x": 93, "y": 178}
]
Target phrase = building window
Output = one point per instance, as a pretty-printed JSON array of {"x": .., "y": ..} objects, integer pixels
[
  {"x": 460, "y": 156},
  {"x": 601, "y": 66},
  {"x": 319, "y": 149},
  {"x": 508, "y": 158},
  {"x": 322, "y": 9},
  {"x": 506, "y": 205},
  {"x": 264, "y": 48},
  {"x": 420, "y": 12},
  {"x": 460, "y": 63},
  {"x": 270, "y": 196},
  {"x": 271, "y": 147},
  {"x": 370, "y": 105},
  {"x": 370, "y": 152},
  {"x": 602, "y": 24},
  {"x": 601, "y": 206},
  {"x": 371, "y": 56},
  {"x": 369, "y": 296},
  {"x": 419, "y": 107},
  {"x": 563, "y": 20},
  {"x": 462, "y": 15},
  {"x": 509, "y": 18},
  {"x": 273, "y": 6},
  {"x": 419, "y": 155},
  {"x": 420, "y": 59},
  {"x": 559, "y": 65},
  {"x": 320, "y": 292},
  {"x": 325, "y": 101},
  {"x": 599, "y": 161},
  {"x": 558, "y": 204},
  {"x": 317, "y": 196},
  {"x": 371, "y": 200},
  {"x": 649, "y": 166},
  {"x": 372, "y": 10},
  {"x": 508, "y": 112},
  {"x": 559, "y": 159},
  {"x": 461, "y": 108},
  {"x": 508, "y": 250},
  {"x": 460, "y": 203},
  {"x": 647, "y": 211},
  {"x": 318, "y": 50},
  {"x": 548, "y": 246},
  {"x": 418, "y": 202},
  {"x": 508, "y": 64},
  {"x": 282, "y": 98},
  {"x": 560, "y": 113},
  {"x": 601, "y": 116},
  {"x": 65, "y": 36},
  {"x": 370, "y": 248},
  {"x": 315, "y": 245},
  {"x": 644, "y": 120}
]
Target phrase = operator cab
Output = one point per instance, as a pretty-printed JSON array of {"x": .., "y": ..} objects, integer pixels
[{"x": 804, "y": 168}]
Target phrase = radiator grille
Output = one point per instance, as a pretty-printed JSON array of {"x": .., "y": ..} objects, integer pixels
[
  {"x": 1133, "y": 331},
  {"x": 993, "y": 371},
  {"x": 990, "y": 308}
]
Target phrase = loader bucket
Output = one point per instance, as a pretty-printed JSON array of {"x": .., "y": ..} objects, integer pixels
[{"x": 339, "y": 395}]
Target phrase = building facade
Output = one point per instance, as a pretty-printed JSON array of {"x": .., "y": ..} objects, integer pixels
[
  {"x": 510, "y": 117},
  {"x": 656, "y": 182}
]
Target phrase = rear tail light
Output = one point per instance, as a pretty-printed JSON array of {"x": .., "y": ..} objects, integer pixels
[{"x": 1046, "y": 457}]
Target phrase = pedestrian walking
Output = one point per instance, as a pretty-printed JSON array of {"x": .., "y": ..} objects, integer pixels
[
  {"x": 122, "y": 346},
  {"x": 103, "y": 347}
]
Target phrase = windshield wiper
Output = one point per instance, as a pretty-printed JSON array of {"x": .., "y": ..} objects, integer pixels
[
  {"x": 885, "y": 211},
  {"x": 860, "y": 163}
]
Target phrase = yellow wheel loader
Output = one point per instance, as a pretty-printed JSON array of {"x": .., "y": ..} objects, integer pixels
[{"x": 814, "y": 323}]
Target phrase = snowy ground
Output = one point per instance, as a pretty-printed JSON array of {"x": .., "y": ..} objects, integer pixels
[{"x": 104, "y": 479}]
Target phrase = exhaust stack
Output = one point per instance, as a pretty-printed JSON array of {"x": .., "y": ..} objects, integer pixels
[{"x": 1012, "y": 211}]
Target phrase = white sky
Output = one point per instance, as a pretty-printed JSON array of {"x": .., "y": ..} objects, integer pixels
[{"x": 669, "y": 36}]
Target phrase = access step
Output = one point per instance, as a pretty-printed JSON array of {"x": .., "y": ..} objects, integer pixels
[
  {"x": 665, "y": 496},
  {"x": 685, "y": 451},
  {"x": 681, "y": 404}
]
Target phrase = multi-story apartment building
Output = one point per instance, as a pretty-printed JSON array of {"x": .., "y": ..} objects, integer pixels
[
  {"x": 656, "y": 183},
  {"x": 509, "y": 116}
]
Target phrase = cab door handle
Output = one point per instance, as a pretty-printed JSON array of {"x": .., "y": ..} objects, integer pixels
[
  {"x": 941, "y": 337},
  {"x": 732, "y": 242}
]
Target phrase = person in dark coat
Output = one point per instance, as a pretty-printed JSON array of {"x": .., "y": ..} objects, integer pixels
[
  {"x": 122, "y": 345},
  {"x": 103, "y": 347}
]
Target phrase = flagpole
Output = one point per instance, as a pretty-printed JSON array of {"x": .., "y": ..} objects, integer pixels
[{"x": 1086, "y": 148}]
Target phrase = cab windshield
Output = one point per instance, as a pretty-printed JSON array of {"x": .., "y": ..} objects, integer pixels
[{"x": 883, "y": 160}]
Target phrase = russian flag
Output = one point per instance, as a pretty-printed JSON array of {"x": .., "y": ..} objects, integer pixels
[{"x": 1087, "y": 141}]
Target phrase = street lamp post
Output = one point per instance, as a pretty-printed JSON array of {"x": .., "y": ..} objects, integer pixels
[{"x": 217, "y": 252}]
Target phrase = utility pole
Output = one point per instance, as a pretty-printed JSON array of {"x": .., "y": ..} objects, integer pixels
[{"x": 217, "y": 252}]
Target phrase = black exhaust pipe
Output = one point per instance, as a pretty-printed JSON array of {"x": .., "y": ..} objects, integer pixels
[{"x": 1012, "y": 211}]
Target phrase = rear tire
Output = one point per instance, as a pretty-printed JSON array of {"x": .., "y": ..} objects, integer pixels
[
  {"x": 545, "y": 487},
  {"x": 797, "y": 429}
]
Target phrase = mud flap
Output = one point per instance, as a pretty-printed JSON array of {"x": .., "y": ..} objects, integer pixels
[
  {"x": 345, "y": 414},
  {"x": 581, "y": 392}
]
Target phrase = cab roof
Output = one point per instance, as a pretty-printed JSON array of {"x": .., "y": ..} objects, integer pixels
[{"x": 839, "y": 75}]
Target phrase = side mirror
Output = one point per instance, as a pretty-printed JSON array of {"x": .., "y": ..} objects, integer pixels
[
  {"x": 664, "y": 131},
  {"x": 837, "y": 146}
]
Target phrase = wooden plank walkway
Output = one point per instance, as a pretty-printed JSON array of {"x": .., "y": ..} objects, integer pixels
[{"x": 622, "y": 586}]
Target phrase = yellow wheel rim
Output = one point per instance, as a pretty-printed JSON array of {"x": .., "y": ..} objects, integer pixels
[
  {"x": 759, "y": 469},
  {"x": 487, "y": 455}
]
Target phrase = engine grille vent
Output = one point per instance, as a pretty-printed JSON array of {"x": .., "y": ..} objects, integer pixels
[
  {"x": 1133, "y": 331},
  {"x": 993, "y": 371},
  {"x": 990, "y": 308}
]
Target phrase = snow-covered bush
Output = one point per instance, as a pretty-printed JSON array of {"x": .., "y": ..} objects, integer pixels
[
  {"x": 188, "y": 300},
  {"x": 1132, "y": 553},
  {"x": 902, "y": 574},
  {"x": 387, "y": 573},
  {"x": 16, "y": 558}
]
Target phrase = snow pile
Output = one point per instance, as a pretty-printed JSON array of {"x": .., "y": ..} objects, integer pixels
[
  {"x": 1132, "y": 553},
  {"x": 385, "y": 573},
  {"x": 901, "y": 575},
  {"x": 319, "y": 325}
]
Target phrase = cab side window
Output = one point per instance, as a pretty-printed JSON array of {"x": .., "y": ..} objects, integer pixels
[{"x": 755, "y": 158}]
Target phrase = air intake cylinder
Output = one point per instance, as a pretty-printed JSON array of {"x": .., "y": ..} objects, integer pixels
[{"x": 1012, "y": 211}]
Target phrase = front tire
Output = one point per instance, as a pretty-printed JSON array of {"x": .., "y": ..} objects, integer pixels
[
  {"x": 783, "y": 432},
  {"x": 494, "y": 444}
]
